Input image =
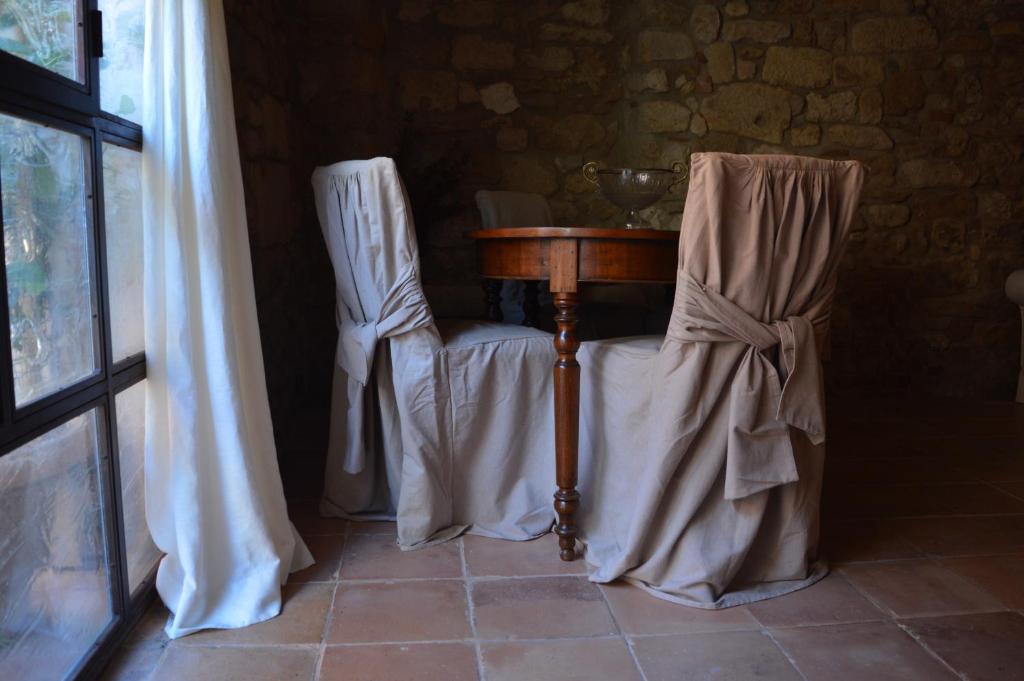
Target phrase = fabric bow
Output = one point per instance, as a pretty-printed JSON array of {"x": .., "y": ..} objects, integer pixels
[
  {"x": 403, "y": 309},
  {"x": 763, "y": 404}
]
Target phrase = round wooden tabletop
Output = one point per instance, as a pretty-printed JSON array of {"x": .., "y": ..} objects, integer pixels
[{"x": 574, "y": 233}]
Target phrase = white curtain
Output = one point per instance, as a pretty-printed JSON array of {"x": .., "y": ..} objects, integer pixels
[{"x": 214, "y": 500}]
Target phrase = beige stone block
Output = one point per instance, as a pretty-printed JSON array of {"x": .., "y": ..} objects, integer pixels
[
  {"x": 589, "y": 12},
  {"x": 698, "y": 126},
  {"x": 661, "y": 116},
  {"x": 858, "y": 136},
  {"x": 857, "y": 70},
  {"x": 663, "y": 46},
  {"x": 567, "y": 133},
  {"x": 805, "y": 136},
  {"x": 806, "y": 67},
  {"x": 838, "y": 107},
  {"x": 736, "y": 8},
  {"x": 549, "y": 58},
  {"x": 574, "y": 34},
  {"x": 932, "y": 173},
  {"x": 654, "y": 80},
  {"x": 755, "y": 30},
  {"x": 721, "y": 62},
  {"x": 749, "y": 109},
  {"x": 869, "y": 106},
  {"x": 893, "y": 34},
  {"x": 705, "y": 22},
  {"x": 887, "y": 215},
  {"x": 745, "y": 70},
  {"x": 499, "y": 98},
  {"x": 476, "y": 52}
]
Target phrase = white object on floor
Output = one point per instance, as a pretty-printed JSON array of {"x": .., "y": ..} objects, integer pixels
[
  {"x": 1015, "y": 292},
  {"x": 445, "y": 430},
  {"x": 214, "y": 500},
  {"x": 702, "y": 455}
]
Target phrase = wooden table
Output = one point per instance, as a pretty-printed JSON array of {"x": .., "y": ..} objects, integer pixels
[{"x": 567, "y": 257}]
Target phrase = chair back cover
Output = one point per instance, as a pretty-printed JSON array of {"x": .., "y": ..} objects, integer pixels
[
  {"x": 724, "y": 484},
  {"x": 368, "y": 227}
]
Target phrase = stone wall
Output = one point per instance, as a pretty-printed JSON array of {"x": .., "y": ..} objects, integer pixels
[
  {"x": 471, "y": 94},
  {"x": 928, "y": 93}
]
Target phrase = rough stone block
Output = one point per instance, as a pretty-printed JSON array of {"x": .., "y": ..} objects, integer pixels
[
  {"x": 568, "y": 132},
  {"x": 755, "y": 30},
  {"x": 721, "y": 62},
  {"x": 663, "y": 46},
  {"x": 887, "y": 215},
  {"x": 838, "y": 107},
  {"x": 893, "y": 34},
  {"x": 749, "y": 109},
  {"x": 589, "y": 12},
  {"x": 662, "y": 116},
  {"x": 499, "y": 98},
  {"x": 869, "y": 106},
  {"x": 705, "y": 22},
  {"x": 549, "y": 58},
  {"x": 857, "y": 70},
  {"x": 574, "y": 34},
  {"x": 858, "y": 137},
  {"x": 805, "y": 136},
  {"x": 806, "y": 67}
]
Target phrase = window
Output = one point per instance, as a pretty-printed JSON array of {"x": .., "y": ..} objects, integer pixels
[{"x": 76, "y": 559}]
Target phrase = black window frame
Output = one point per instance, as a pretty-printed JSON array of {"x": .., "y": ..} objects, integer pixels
[{"x": 39, "y": 95}]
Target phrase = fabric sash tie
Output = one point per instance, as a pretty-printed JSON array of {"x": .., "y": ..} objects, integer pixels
[
  {"x": 763, "y": 405},
  {"x": 403, "y": 309}
]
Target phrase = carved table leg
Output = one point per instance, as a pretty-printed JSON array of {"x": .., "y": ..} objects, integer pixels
[
  {"x": 492, "y": 299},
  {"x": 567, "y": 422},
  {"x": 531, "y": 306}
]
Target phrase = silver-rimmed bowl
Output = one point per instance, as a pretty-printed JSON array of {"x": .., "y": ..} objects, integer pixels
[{"x": 633, "y": 189}]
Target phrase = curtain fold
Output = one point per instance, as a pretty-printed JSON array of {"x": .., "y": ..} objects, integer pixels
[{"x": 214, "y": 499}]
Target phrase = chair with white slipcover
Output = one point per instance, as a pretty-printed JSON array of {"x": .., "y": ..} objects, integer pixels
[
  {"x": 704, "y": 449},
  {"x": 444, "y": 427}
]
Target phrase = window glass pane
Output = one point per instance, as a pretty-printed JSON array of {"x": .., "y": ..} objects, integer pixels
[
  {"x": 122, "y": 204},
  {"x": 43, "y": 175},
  {"x": 54, "y": 581},
  {"x": 131, "y": 441},
  {"x": 121, "y": 65},
  {"x": 44, "y": 32}
]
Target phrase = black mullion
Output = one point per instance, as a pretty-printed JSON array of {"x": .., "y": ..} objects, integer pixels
[
  {"x": 6, "y": 354},
  {"x": 117, "y": 543}
]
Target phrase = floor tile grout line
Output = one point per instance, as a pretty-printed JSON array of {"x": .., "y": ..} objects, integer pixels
[
  {"x": 328, "y": 622},
  {"x": 785, "y": 653},
  {"x": 470, "y": 611},
  {"x": 928, "y": 650},
  {"x": 625, "y": 639}
]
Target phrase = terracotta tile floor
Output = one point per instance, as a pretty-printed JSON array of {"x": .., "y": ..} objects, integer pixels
[{"x": 923, "y": 522}]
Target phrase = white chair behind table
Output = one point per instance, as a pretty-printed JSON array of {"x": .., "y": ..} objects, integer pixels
[
  {"x": 705, "y": 448},
  {"x": 445, "y": 427},
  {"x": 517, "y": 209}
]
